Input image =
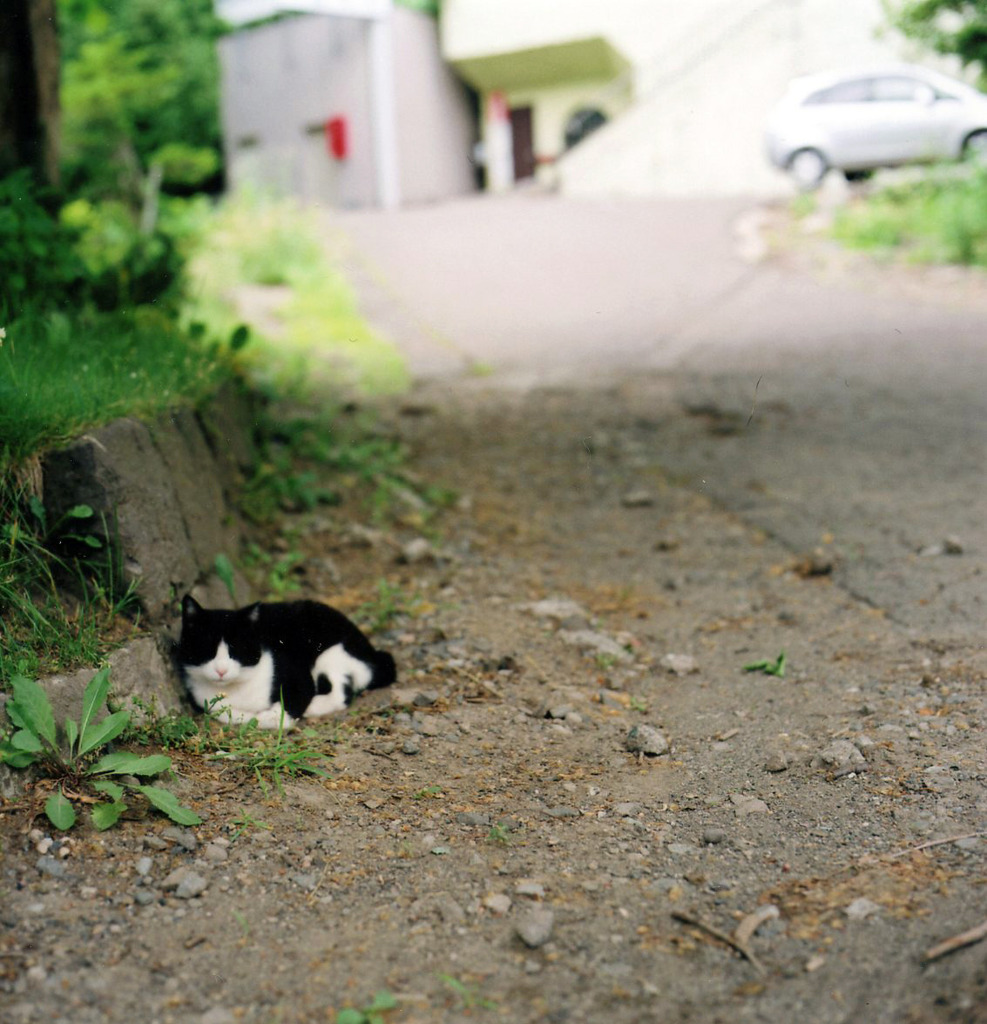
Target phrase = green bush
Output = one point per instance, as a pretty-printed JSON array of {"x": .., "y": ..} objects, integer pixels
[
  {"x": 941, "y": 218},
  {"x": 38, "y": 264}
]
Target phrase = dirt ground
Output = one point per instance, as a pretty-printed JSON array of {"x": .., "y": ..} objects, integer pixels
[{"x": 488, "y": 847}]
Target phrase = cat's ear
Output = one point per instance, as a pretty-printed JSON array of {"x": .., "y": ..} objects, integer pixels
[{"x": 190, "y": 606}]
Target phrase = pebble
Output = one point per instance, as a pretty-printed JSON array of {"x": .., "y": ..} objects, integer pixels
[
  {"x": 637, "y": 499},
  {"x": 498, "y": 903},
  {"x": 554, "y": 609},
  {"x": 185, "y": 883},
  {"x": 680, "y": 664},
  {"x": 182, "y": 836},
  {"x": 646, "y": 739},
  {"x": 535, "y": 927},
  {"x": 776, "y": 762},
  {"x": 530, "y": 888},
  {"x": 627, "y": 810},
  {"x": 474, "y": 818},
  {"x": 591, "y": 640},
  {"x": 861, "y": 908},
  {"x": 144, "y": 897},
  {"x": 839, "y": 754},
  {"x": 411, "y": 746},
  {"x": 562, "y": 812},
  {"x": 215, "y": 853},
  {"x": 305, "y": 881},
  {"x": 416, "y": 550},
  {"x": 747, "y": 804},
  {"x": 48, "y": 865},
  {"x": 713, "y": 836},
  {"x": 155, "y": 843},
  {"x": 143, "y": 866}
]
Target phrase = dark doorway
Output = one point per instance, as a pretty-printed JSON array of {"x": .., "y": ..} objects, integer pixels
[
  {"x": 584, "y": 122},
  {"x": 524, "y": 143}
]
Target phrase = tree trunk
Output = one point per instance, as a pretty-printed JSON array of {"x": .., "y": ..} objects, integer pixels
[{"x": 29, "y": 110}]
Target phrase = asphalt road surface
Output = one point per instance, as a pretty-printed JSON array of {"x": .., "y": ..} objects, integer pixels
[{"x": 844, "y": 413}]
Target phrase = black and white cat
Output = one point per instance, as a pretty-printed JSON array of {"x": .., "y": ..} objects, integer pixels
[{"x": 304, "y": 654}]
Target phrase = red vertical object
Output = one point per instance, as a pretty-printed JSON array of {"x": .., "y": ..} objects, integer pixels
[{"x": 338, "y": 137}]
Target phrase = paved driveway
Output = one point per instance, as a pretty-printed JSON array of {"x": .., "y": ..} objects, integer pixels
[{"x": 869, "y": 426}]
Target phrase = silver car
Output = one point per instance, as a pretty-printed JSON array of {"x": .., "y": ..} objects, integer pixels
[{"x": 859, "y": 120}]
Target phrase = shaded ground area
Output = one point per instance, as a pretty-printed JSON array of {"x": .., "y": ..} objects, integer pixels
[{"x": 488, "y": 847}]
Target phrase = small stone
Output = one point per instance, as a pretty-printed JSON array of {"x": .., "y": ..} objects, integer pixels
[
  {"x": 637, "y": 499},
  {"x": 535, "y": 927},
  {"x": 36, "y": 974},
  {"x": 560, "y": 711},
  {"x": 182, "y": 836},
  {"x": 215, "y": 854},
  {"x": 646, "y": 739},
  {"x": 627, "y": 810},
  {"x": 777, "y": 762},
  {"x": 473, "y": 818},
  {"x": 305, "y": 881},
  {"x": 498, "y": 903},
  {"x": 52, "y": 866},
  {"x": 35, "y": 835},
  {"x": 411, "y": 746},
  {"x": 155, "y": 843},
  {"x": 424, "y": 698},
  {"x": 559, "y": 610},
  {"x": 743, "y": 805},
  {"x": 589, "y": 639},
  {"x": 44, "y": 845},
  {"x": 144, "y": 897},
  {"x": 680, "y": 664},
  {"x": 143, "y": 866},
  {"x": 714, "y": 836},
  {"x": 861, "y": 908},
  {"x": 562, "y": 812},
  {"x": 530, "y": 888},
  {"x": 185, "y": 883},
  {"x": 839, "y": 754},
  {"x": 416, "y": 550}
]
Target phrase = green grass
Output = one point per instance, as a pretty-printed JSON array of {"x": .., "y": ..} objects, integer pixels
[
  {"x": 62, "y": 375},
  {"x": 940, "y": 218},
  {"x": 264, "y": 260}
]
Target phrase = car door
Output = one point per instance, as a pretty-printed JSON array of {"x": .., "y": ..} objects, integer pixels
[
  {"x": 840, "y": 118},
  {"x": 905, "y": 119}
]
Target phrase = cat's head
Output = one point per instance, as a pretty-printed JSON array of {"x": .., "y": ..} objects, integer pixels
[{"x": 218, "y": 646}]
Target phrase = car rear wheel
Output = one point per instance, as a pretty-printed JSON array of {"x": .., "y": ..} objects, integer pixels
[
  {"x": 975, "y": 147},
  {"x": 808, "y": 167}
]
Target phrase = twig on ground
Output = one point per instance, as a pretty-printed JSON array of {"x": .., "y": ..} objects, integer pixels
[
  {"x": 744, "y": 931},
  {"x": 934, "y": 842},
  {"x": 966, "y": 938},
  {"x": 732, "y": 942}
]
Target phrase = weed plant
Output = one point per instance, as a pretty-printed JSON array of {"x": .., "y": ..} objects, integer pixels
[
  {"x": 265, "y": 260},
  {"x": 78, "y": 762},
  {"x": 940, "y": 218}
]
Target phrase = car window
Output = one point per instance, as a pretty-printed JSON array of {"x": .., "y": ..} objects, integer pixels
[
  {"x": 900, "y": 89},
  {"x": 857, "y": 90}
]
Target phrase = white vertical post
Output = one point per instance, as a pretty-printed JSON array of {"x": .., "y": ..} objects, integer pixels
[{"x": 383, "y": 111}]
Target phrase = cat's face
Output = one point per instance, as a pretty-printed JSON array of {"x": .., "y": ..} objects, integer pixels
[{"x": 218, "y": 648}]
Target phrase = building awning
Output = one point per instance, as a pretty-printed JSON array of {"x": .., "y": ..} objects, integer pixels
[{"x": 554, "y": 64}]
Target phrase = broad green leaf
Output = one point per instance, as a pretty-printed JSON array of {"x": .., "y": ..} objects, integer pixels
[
  {"x": 94, "y": 697},
  {"x": 112, "y": 789},
  {"x": 168, "y": 804},
  {"x": 60, "y": 811},
  {"x": 105, "y": 815},
  {"x": 71, "y": 735},
  {"x": 351, "y": 1016},
  {"x": 383, "y": 1000},
  {"x": 31, "y": 706},
  {"x": 124, "y": 763},
  {"x": 79, "y": 512},
  {"x": 90, "y": 541},
  {"x": 14, "y": 714},
  {"x": 15, "y": 758},
  {"x": 24, "y": 739},
  {"x": 239, "y": 337},
  {"x": 101, "y": 732}
]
